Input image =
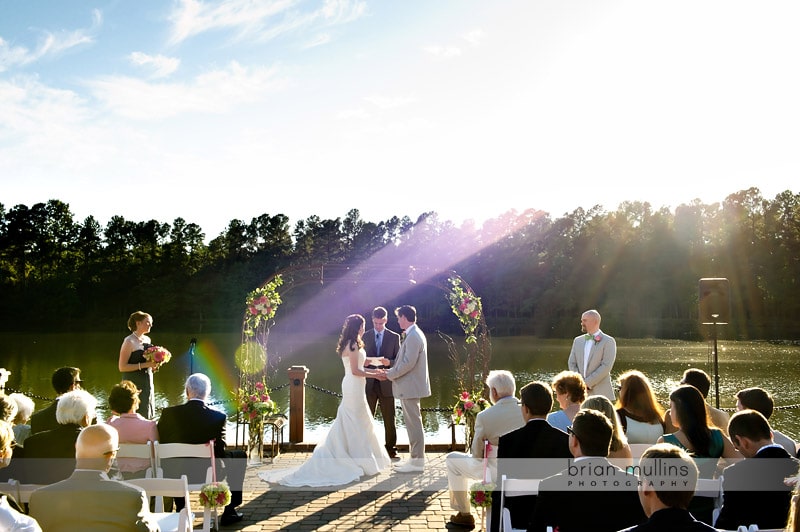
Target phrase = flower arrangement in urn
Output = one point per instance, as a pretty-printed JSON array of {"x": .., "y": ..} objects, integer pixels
[
  {"x": 466, "y": 306},
  {"x": 262, "y": 304},
  {"x": 255, "y": 404},
  {"x": 467, "y": 407}
]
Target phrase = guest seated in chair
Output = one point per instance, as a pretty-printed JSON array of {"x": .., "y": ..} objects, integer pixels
[
  {"x": 50, "y": 455},
  {"x": 131, "y": 426},
  {"x": 753, "y": 489},
  {"x": 502, "y": 417},
  {"x": 12, "y": 516},
  {"x": 89, "y": 500},
  {"x": 761, "y": 401},
  {"x": 668, "y": 478},
  {"x": 195, "y": 422},
  {"x": 531, "y": 451},
  {"x": 592, "y": 494}
]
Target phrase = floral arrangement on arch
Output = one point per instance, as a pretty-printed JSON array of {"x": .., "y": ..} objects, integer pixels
[
  {"x": 158, "y": 354},
  {"x": 480, "y": 494},
  {"x": 262, "y": 303},
  {"x": 466, "y": 306},
  {"x": 215, "y": 495}
]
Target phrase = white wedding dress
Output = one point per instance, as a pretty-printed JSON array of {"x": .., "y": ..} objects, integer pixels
[{"x": 349, "y": 450}]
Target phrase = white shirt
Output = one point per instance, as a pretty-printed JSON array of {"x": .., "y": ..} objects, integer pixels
[{"x": 13, "y": 521}]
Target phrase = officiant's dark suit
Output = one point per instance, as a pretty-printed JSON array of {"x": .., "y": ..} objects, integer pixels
[
  {"x": 380, "y": 392},
  {"x": 195, "y": 422}
]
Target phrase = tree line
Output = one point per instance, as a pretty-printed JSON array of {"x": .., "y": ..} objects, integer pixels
[{"x": 637, "y": 265}]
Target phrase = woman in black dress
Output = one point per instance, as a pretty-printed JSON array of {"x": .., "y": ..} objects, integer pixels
[{"x": 134, "y": 366}]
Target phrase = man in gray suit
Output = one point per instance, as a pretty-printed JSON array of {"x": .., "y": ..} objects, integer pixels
[
  {"x": 593, "y": 355},
  {"x": 410, "y": 383},
  {"x": 89, "y": 500}
]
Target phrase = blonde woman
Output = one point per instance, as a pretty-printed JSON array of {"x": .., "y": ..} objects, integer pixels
[{"x": 620, "y": 450}]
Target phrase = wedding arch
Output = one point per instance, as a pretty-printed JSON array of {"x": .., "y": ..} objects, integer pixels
[{"x": 471, "y": 359}]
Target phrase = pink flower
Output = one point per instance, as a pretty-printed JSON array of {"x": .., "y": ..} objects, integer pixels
[
  {"x": 253, "y": 311},
  {"x": 480, "y": 497},
  {"x": 474, "y": 314},
  {"x": 259, "y": 386},
  {"x": 253, "y": 414},
  {"x": 464, "y": 396},
  {"x": 597, "y": 338},
  {"x": 459, "y": 412},
  {"x": 264, "y": 398},
  {"x": 468, "y": 405}
]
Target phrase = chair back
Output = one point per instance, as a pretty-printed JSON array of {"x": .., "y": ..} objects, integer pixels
[
  {"x": 23, "y": 491},
  {"x": 159, "y": 488},
  {"x": 142, "y": 451},
  {"x": 198, "y": 451},
  {"x": 514, "y": 487},
  {"x": 712, "y": 488},
  {"x": 164, "y": 451}
]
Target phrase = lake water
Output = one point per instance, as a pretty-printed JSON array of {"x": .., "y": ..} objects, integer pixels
[{"x": 33, "y": 357}]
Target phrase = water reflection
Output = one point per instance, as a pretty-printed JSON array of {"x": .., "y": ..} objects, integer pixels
[{"x": 32, "y": 358}]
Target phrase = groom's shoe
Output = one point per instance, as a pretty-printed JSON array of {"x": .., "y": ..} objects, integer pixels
[{"x": 409, "y": 467}]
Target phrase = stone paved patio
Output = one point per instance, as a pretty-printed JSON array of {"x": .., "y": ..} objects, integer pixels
[{"x": 387, "y": 501}]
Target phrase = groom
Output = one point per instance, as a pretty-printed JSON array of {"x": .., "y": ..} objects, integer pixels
[
  {"x": 593, "y": 355},
  {"x": 410, "y": 382}
]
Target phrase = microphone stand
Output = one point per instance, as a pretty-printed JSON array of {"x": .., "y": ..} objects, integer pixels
[{"x": 192, "y": 344}]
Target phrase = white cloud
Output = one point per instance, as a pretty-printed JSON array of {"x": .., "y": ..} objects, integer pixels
[
  {"x": 213, "y": 92},
  {"x": 386, "y": 102},
  {"x": 319, "y": 40},
  {"x": 474, "y": 37},
  {"x": 258, "y": 20},
  {"x": 443, "y": 52},
  {"x": 161, "y": 66},
  {"x": 50, "y": 44}
]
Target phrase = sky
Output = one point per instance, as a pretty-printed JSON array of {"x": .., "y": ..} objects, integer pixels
[{"x": 214, "y": 111}]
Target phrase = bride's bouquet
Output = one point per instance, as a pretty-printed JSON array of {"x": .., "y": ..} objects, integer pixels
[{"x": 158, "y": 354}]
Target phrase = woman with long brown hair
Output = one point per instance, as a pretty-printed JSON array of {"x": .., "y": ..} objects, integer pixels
[{"x": 641, "y": 415}]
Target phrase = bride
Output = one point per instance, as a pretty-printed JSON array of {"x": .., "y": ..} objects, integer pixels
[{"x": 351, "y": 448}]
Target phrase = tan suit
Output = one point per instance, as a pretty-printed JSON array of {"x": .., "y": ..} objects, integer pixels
[
  {"x": 497, "y": 420},
  {"x": 597, "y": 373},
  {"x": 88, "y": 501},
  {"x": 411, "y": 382}
]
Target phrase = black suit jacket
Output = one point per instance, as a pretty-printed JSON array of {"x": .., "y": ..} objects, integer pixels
[
  {"x": 195, "y": 422},
  {"x": 49, "y": 456},
  {"x": 547, "y": 446},
  {"x": 390, "y": 346},
  {"x": 579, "y": 499},
  {"x": 44, "y": 419},
  {"x": 754, "y": 492},
  {"x": 671, "y": 520}
]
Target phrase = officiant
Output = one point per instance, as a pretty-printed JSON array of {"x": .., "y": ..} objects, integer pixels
[{"x": 385, "y": 343}]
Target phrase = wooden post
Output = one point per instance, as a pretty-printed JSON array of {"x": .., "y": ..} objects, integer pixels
[{"x": 297, "y": 403}]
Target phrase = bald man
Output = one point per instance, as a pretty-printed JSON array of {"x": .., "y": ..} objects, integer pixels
[{"x": 89, "y": 500}]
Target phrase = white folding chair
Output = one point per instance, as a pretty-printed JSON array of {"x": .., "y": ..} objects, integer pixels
[
  {"x": 10, "y": 488},
  {"x": 710, "y": 487},
  {"x": 143, "y": 451},
  {"x": 24, "y": 490},
  {"x": 163, "y": 451},
  {"x": 159, "y": 488},
  {"x": 514, "y": 487},
  {"x": 637, "y": 449}
]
